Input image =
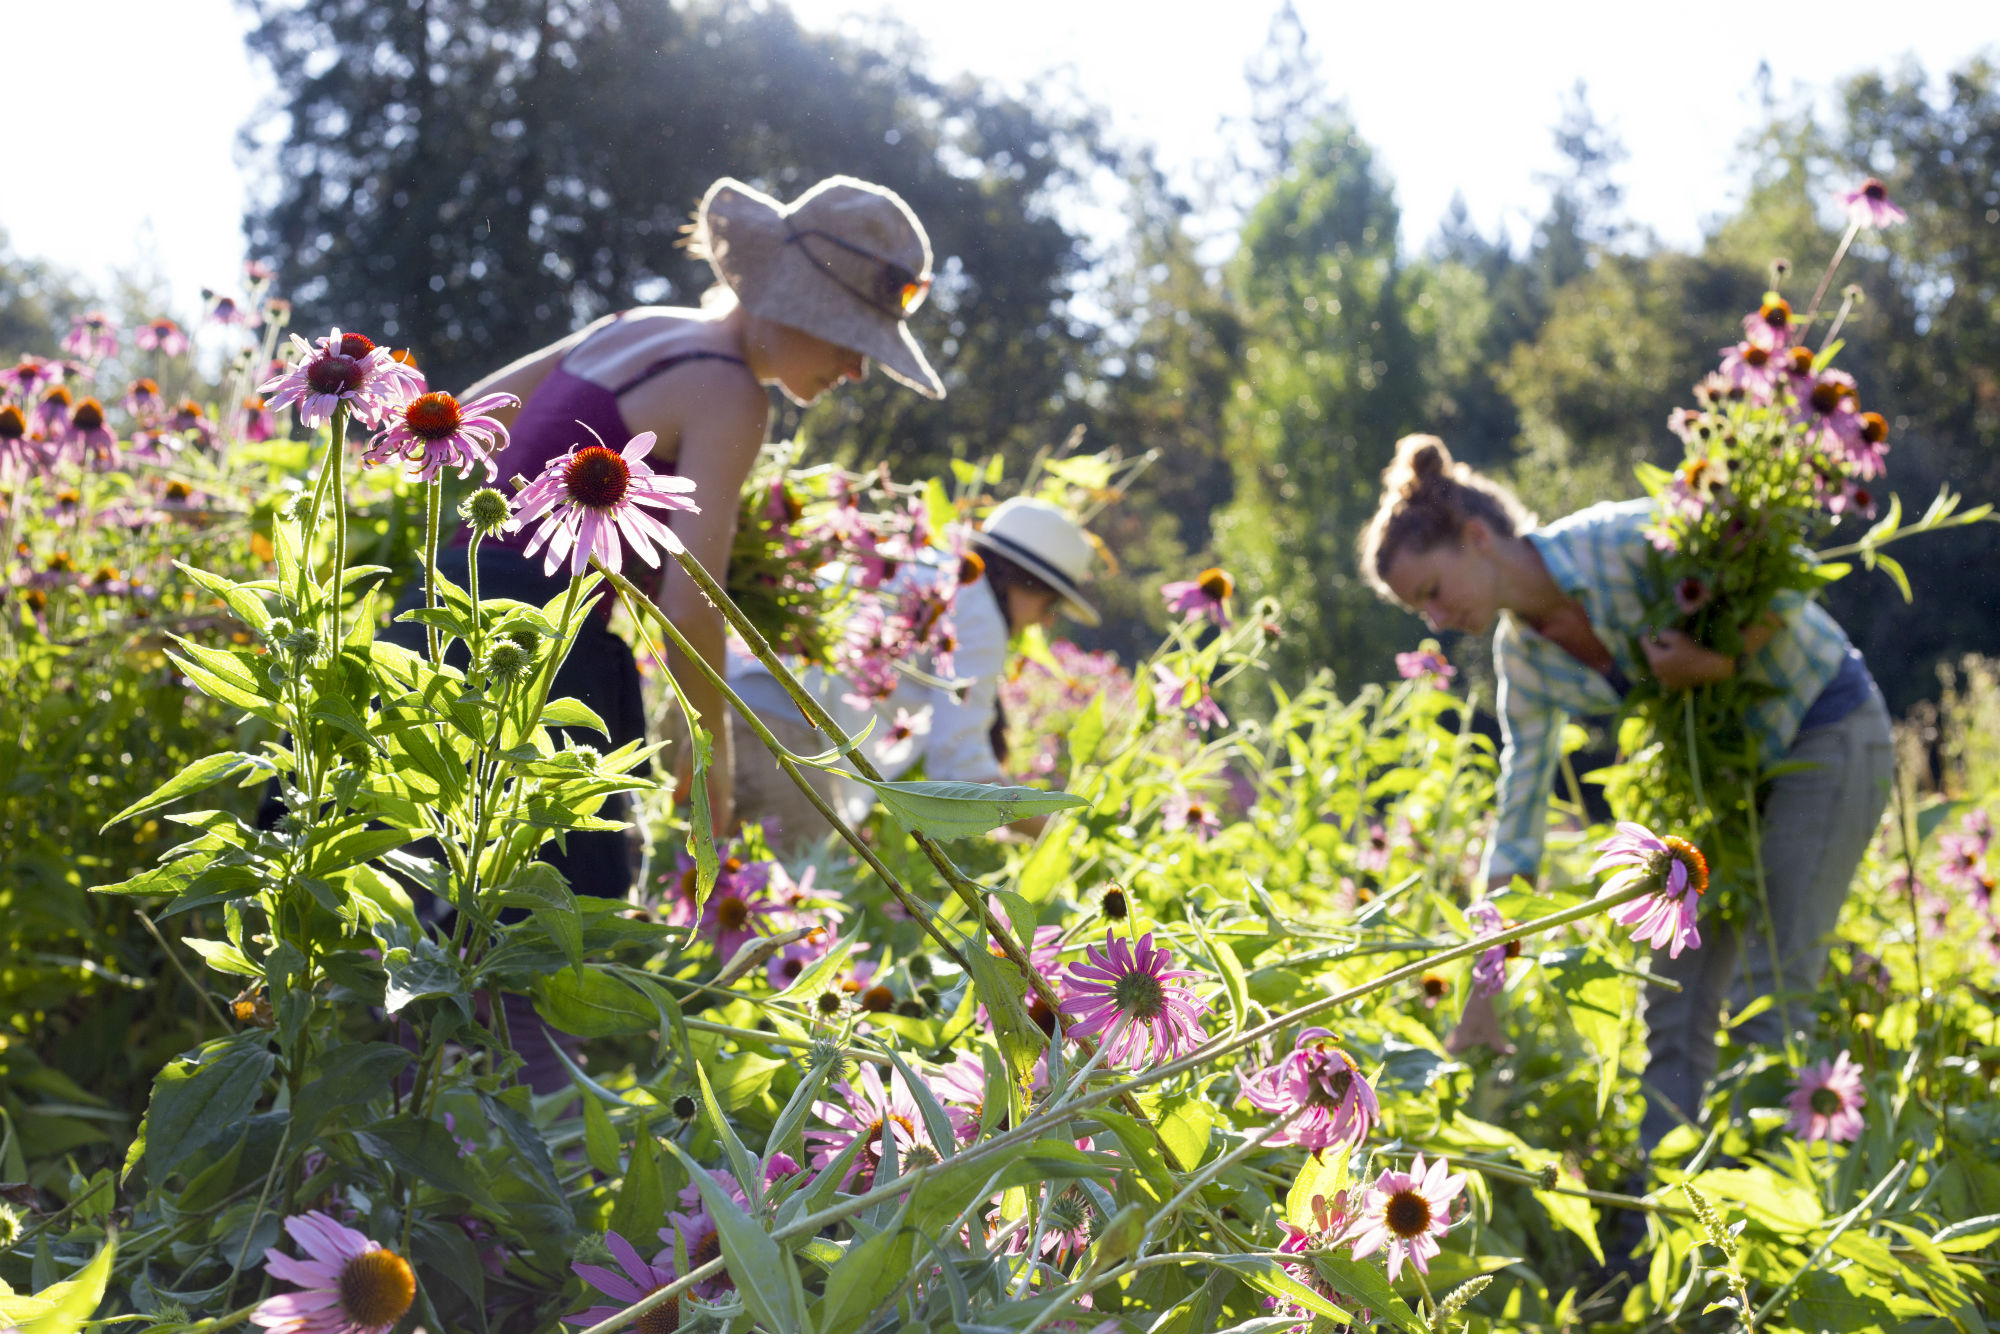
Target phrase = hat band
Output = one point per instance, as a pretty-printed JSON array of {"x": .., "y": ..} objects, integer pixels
[
  {"x": 899, "y": 291},
  {"x": 1009, "y": 547}
]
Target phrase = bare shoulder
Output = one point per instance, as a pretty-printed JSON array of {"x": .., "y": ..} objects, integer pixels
[{"x": 713, "y": 401}]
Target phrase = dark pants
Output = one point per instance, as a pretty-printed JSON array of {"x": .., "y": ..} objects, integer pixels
[{"x": 600, "y": 671}]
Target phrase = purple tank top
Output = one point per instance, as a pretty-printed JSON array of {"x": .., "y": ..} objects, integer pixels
[{"x": 563, "y": 412}]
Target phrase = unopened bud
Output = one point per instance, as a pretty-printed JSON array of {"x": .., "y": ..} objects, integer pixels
[
  {"x": 507, "y": 662},
  {"x": 486, "y": 509}
]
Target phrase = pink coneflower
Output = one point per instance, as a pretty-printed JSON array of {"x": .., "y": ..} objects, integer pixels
[
  {"x": 20, "y": 452},
  {"x": 31, "y": 374},
  {"x": 961, "y": 1087},
  {"x": 340, "y": 368},
  {"x": 1692, "y": 594},
  {"x": 789, "y": 963},
  {"x": 1832, "y": 423},
  {"x": 258, "y": 423},
  {"x": 1133, "y": 998},
  {"x": 1678, "y": 874},
  {"x": 91, "y": 335},
  {"x": 1754, "y": 366},
  {"x": 349, "y": 1285},
  {"x": 1372, "y": 852},
  {"x": 1191, "y": 697},
  {"x": 1207, "y": 594},
  {"x": 698, "y": 1235},
  {"x": 1850, "y": 497},
  {"x": 1426, "y": 662},
  {"x": 88, "y": 435},
  {"x": 52, "y": 413},
  {"x": 1184, "y": 810},
  {"x": 1869, "y": 450},
  {"x": 867, "y": 1110},
  {"x": 587, "y": 497},
  {"x": 1868, "y": 205},
  {"x": 144, "y": 399},
  {"x": 899, "y": 741},
  {"x": 1329, "y": 1223},
  {"x": 1406, "y": 1212},
  {"x": 1826, "y": 1102},
  {"x": 640, "y": 1279},
  {"x": 160, "y": 335},
  {"x": 1489, "y": 970},
  {"x": 1339, "y": 1106},
  {"x": 190, "y": 419},
  {"x": 227, "y": 310},
  {"x": 435, "y": 431},
  {"x": 1962, "y": 866},
  {"x": 737, "y": 910},
  {"x": 1771, "y": 323}
]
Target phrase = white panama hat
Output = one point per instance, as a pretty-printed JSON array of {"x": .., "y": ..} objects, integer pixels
[
  {"x": 1041, "y": 538},
  {"x": 847, "y": 261}
]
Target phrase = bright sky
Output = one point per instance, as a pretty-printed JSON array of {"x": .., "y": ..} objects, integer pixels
[{"x": 1455, "y": 95}]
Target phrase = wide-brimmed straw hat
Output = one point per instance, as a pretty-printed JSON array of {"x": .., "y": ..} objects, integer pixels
[
  {"x": 846, "y": 261},
  {"x": 1041, "y": 538}
]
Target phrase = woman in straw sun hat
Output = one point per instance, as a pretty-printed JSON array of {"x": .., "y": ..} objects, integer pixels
[
  {"x": 807, "y": 295},
  {"x": 1033, "y": 560}
]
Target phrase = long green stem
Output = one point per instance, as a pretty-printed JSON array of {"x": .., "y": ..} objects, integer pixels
[
  {"x": 433, "y": 504},
  {"x": 336, "y": 459}
]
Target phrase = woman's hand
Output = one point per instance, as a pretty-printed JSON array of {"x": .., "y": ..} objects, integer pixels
[{"x": 1680, "y": 662}]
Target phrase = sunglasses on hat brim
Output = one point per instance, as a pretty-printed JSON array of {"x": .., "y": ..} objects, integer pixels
[{"x": 897, "y": 291}]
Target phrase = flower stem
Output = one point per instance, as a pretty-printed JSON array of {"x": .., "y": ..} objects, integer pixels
[
  {"x": 1826, "y": 279},
  {"x": 433, "y": 503},
  {"x": 336, "y": 458}
]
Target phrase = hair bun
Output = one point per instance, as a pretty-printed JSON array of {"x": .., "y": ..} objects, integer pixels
[{"x": 1420, "y": 459}]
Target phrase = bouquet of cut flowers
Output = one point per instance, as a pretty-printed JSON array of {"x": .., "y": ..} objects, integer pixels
[{"x": 1780, "y": 452}]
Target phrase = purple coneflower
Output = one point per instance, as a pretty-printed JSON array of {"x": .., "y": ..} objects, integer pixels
[
  {"x": 737, "y": 908},
  {"x": 1339, "y": 1106},
  {"x": 961, "y": 1087},
  {"x": 1406, "y": 1212},
  {"x": 587, "y": 497},
  {"x": 1191, "y": 697},
  {"x": 1692, "y": 594},
  {"x": 28, "y": 376},
  {"x": 698, "y": 1235},
  {"x": 1770, "y": 323},
  {"x": 1826, "y": 1102},
  {"x": 1426, "y": 662},
  {"x": 1753, "y": 366},
  {"x": 88, "y": 435},
  {"x": 1489, "y": 970},
  {"x": 52, "y": 413},
  {"x": 1962, "y": 865},
  {"x": 144, "y": 399},
  {"x": 1184, "y": 810},
  {"x": 258, "y": 424},
  {"x": 1868, "y": 205},
  {"x": 435, "y": 431},
  {"x": 1132, "y": 997},
  {"x": 340, "y": 368},
  {"x": 348, "y": 1285},
  {"x": 91, "y": 335},
  {"x": 1832, "y": 423},
  {"x": 899, "y": 741},
  {"x": 161, "y": 335},
  {"x": 227, "y": 310},
  {"x": 1850, "y": 497},
  {"x": 866, "y": 1109},
  {"x": 640, "y": 1279},
  {"x": 20, "y": 452},
  {"x": 1679, "y": 877},
  {"x": 1207, "y": 594}
]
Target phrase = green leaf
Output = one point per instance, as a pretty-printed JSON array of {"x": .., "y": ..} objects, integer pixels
[
  {"x": 748, "y": 1170},
  {"x": 1360, "y": 1282},
  {"x": 965, "y": 810},
  {"x": 1086, "y": 734},
  {"x": 425, "y": 1150},
  {"x": 352, "y": 1074},
  {"x": 936, "y": 1124},
  {"x": 600, "y": 1138},
  {"x": 203, "y": 1096},
  {"x": 203, "y": 773},
  {"x": 1575, "y": 1214},
  {"x": 998, "y": 986},
  {"x": 754, "y": 1261},
  {"x": 222, "y": 956},
  {"x": 1185, "y": 1128},
  {"x": 572, "y": 713},
  {"x": 65, "y": 1306},
  {"x": 592, "y": 1003},
  {"x": 1047, "y": 866},
  {"x": 541, "y": 889},
  {"x": 867, "y": 1274},
  {"x": 641, "y": 1205}
]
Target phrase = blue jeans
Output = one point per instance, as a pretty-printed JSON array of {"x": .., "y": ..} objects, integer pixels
[{"x": 1817, "y": 824}]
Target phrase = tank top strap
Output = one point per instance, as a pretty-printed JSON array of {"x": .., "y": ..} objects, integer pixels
[{"x": 665, "y": 364}]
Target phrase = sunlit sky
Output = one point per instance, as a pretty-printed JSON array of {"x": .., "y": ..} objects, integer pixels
[{"x": 1456, "y": 96}]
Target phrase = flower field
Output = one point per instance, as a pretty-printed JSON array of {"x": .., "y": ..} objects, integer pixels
[{"x": 282, "y": 957}]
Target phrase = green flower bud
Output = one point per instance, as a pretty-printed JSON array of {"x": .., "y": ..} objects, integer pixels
[
  {"x": 507, "y": 662},
  {"x": 485, "y": 509}
]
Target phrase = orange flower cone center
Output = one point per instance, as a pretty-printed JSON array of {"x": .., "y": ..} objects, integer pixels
[
  {"x": 376, "y": 1288},
  {"x": 597, "y": 477},
  {"x": 1216, "y": 583},
  {"x": 433, "y": 416}
]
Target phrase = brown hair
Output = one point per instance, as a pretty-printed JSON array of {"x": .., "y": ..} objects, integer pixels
[{"x": 1426, "y": 500}]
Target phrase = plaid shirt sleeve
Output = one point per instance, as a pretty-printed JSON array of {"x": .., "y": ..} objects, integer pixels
[{"x": 1531, "y": 729}]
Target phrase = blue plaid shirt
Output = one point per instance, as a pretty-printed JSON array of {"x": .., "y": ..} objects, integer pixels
[{"x": 1598, "y": 555}]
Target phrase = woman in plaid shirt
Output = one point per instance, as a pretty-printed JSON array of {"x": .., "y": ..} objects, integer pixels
[{"x": 1565, "y": 603}]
